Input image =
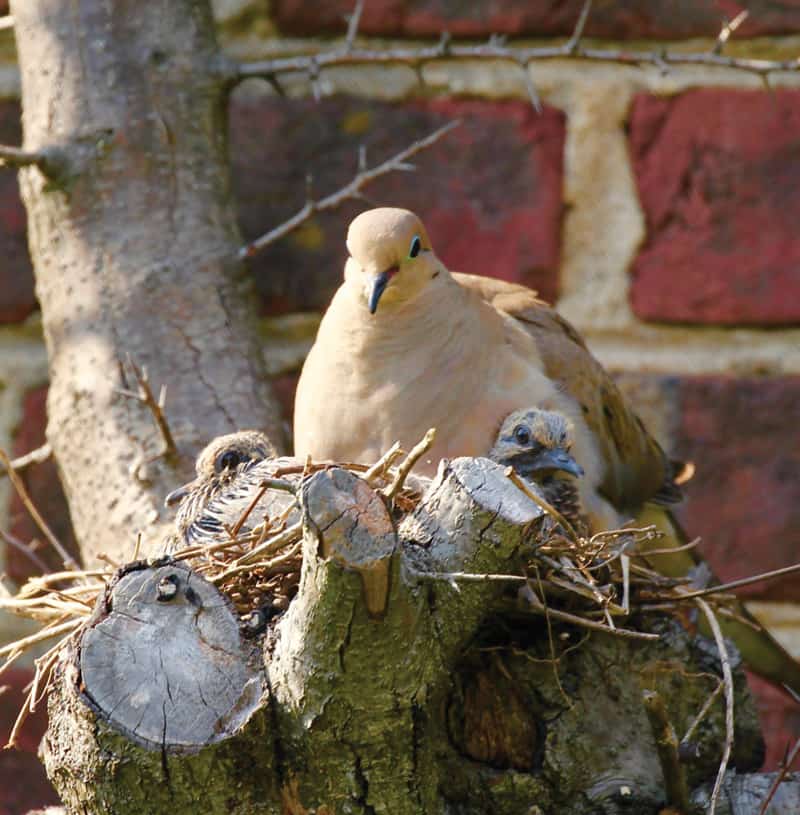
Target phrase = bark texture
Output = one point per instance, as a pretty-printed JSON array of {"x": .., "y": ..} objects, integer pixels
[
  {"x": 389, "y": 688},
  {"x": 133, "y": 240}
]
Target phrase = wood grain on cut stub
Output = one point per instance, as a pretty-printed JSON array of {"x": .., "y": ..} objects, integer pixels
[{"x": 167, "y": 665}]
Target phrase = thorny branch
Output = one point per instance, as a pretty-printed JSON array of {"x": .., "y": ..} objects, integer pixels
[
  {"x": 496, "y": 49},
  {"x": 351, "y": 190}
]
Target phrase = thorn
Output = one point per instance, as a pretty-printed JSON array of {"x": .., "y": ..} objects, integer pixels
[
  {"x": 352, "y": 24},
  {"x": 532, "y": 93},
  {"x": 572, "y": 44},
  {"x": 276, "y": 85},
  {"x": 727, "y": 29}
]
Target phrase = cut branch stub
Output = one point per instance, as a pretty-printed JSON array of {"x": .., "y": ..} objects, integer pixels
[
  {"x": 471, "y": 518},
  {"x": 165, "y": 664},
  {"x": 353, "y": 526}
]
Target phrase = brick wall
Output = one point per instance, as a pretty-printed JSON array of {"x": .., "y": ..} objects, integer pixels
[{"x": 658, "y": 210}]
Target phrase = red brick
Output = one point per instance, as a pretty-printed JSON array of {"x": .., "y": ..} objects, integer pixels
[
  {"x": 17, "y": 299},
  {"x": 284, "y": 388},
  {"x": 45, "y": 490},
  {"x": 779, "y": 715},
  {"x": 617, "y": 20},
  {"x": 23, "y": 783},
  {"x": 490, "y": 192},
  {"x": 718, "y": 173},
  {"x": 744, "y": 500}
]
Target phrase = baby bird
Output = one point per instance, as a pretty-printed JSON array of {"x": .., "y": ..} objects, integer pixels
[
  {"x": 536, "y": 444},
  {"x": 230, "y": 470}
]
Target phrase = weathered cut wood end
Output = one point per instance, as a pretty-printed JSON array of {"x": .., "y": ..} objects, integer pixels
[
  {"x": 354, "y": 528},
  {"x": 165, "y": 662}
]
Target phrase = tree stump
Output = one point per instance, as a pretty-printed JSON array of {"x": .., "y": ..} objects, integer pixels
[{"x": 389, "y": 687}]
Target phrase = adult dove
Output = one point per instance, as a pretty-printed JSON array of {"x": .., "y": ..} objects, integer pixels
[{"x": 406, "y": 345}]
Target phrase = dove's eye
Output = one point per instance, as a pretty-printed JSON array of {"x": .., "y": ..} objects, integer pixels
[
  {"x": 416, "y": 245},
  {"x": 521, "y": 434},
  {"x": 228, "y": 460}
]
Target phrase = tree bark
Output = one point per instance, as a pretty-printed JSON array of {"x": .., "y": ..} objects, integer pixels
[
  {"x": 134, "y": 241},
  {"x": 434, "y": 700}
]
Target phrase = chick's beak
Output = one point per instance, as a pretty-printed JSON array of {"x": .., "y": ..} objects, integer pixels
[
  {"x": 560, "y": 460},
  {"x": 176, "y": 496},
  {"x": 555, "y": 460},
  {"x": 377, "y": 285}
]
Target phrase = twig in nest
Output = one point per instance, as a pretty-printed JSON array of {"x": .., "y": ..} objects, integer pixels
[
  {"x": 379, "y": 468},
  {"x": 667, "y": 550},
  {"x": 702, "y": 714},
  {"x": 785, "y": 767},
  {"x": 744, "y": 581},
  {"x": 550, "y": 510},
  {"x": 538, "y": 606},
  {"x": 144, "y": 394},
  {"x": 351, "y": 190},
  {"x": 667, "y": 747},
  {"x": 452, "y": 578},
  {"x": 37, "y": 456},
  {"x": 289, "y": 535},
  {"x": 417, "y": 451},
  {"x": 19, "y": 486},
  {"x": 727, "y": 678},
  {"x": 550, "y": 641}
]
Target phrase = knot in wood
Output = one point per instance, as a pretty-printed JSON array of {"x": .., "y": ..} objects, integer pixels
[{"x": 167, "y": 588}]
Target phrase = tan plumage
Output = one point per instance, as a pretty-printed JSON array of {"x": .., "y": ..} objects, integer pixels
[{"x": 405, "y": 345}]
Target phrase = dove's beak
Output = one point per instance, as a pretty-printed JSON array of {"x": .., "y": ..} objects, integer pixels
[{"x": 377, "y": 286}]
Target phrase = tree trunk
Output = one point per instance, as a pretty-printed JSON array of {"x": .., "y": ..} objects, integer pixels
[
  {"x": 387, "y": 687},
  {"x": 134, "y": 241}
]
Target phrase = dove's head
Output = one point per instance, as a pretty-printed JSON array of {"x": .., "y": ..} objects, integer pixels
[
  {"x": 536, "y": 443},
  {"x": 222, "y": 458},
  {"x": 391, "y": 260}
]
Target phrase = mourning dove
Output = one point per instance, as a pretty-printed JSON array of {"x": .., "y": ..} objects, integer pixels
[
  {"x": 536, "y": 444},
  {"x": 230, "y": 472},
  {"x": 406, "y": 345}
]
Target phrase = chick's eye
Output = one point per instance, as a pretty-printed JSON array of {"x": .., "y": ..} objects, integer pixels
[
  {"x": 228, "y": 460},
  {"x": 521, "y": 434},
  {"x": 416, "y": 245}
]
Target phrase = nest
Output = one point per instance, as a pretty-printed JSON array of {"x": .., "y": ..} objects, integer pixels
[{"x": 594, "y": 582}]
